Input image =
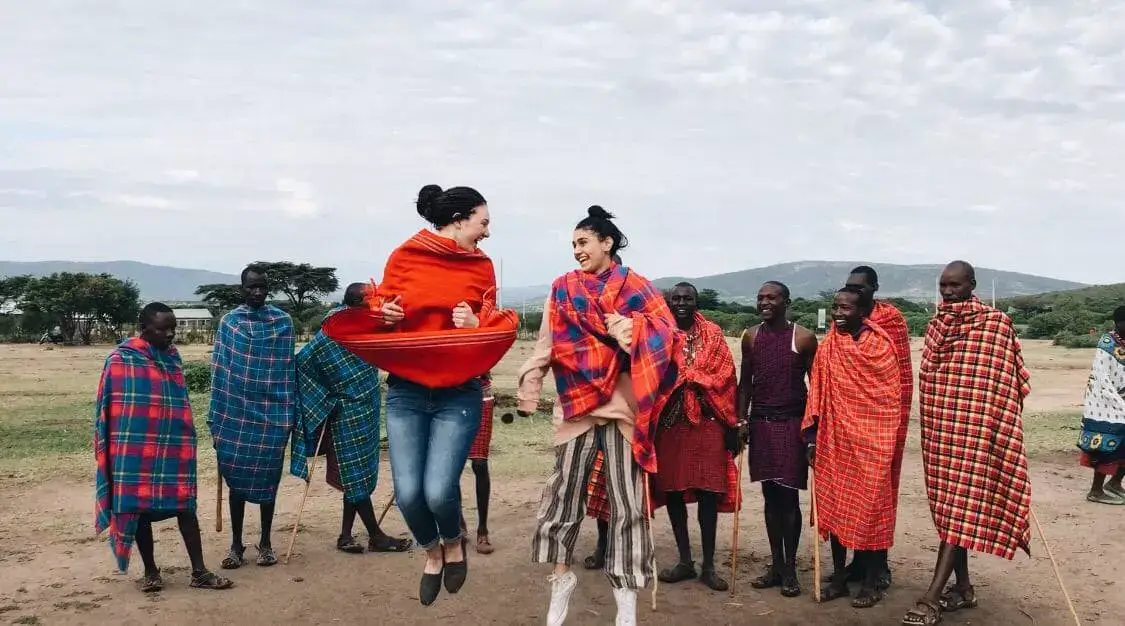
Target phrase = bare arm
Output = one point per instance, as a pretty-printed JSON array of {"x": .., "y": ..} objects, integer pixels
[{"x": 806, "y": 347}]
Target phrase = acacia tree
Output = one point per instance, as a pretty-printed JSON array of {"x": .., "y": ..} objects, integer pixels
[
  {"x": 220, "y": 297},
  {"x": 78, "y": 303},
  {"x": 303, "y": 284},
  {"x": 12, "y": 290}
]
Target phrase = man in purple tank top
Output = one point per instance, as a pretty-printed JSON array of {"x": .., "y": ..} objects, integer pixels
[{"x": 776, "y": 357}]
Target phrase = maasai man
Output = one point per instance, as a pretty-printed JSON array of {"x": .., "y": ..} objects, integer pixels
[
  {"x": 890, "y": 319},
  {"x": 145, "y": 448},
  {"x": 478, "y": 459},
  {"x": 253, "y": 407},
  {"x": 696, "y": 437},
  {"x": 434, "y": 325},
  {"x": 971, "y": 386},
  {"x": 1103, "y": 416},
  {"x": 851, "y": 425},
  {"x": 776, "y": 356},
  {"x": 339, "y": 391},
  {"x": 613, "y": 345}
]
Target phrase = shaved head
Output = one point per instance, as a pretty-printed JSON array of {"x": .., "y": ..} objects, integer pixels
[
  {"x": 957, "y": 282},
  {"x": 963, "y": 266}
]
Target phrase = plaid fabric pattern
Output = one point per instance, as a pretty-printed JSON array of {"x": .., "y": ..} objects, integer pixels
[
  {"x": 430, "y": 274},
  {"x": 597, "y": 499},
  {"x": 337, "y": 388},
  {"x": 854, "y": 406},
  {"x": 586, "y": 360},
  {"x": 890, "y": 319},
  {"x": 483, "y": 440},
  {"x": 972, "y": 384},
  {"x": 144, "y": 442},
  {"x": 253, "y": 399}
]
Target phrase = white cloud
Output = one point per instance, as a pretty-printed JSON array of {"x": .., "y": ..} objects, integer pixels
[{"x": 760, "y": 128}]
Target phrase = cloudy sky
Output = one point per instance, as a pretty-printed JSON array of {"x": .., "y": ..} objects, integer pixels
[{"x": 724, "y": 134}]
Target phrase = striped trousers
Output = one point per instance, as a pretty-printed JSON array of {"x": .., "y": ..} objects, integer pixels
[{"x": 628, "y": 563}]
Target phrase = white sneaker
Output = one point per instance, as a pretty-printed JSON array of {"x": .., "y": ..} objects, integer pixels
[
  {"x": 562, "y": 587},
  {"x": 626, "y": 606}
]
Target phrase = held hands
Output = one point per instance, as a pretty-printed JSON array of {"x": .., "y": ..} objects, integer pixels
[
  {"x": 621, "y": 329},
  {"x": 392, "y": 311},
  {"x": 735, "y": 438},
  {"x": 463, "y": 316}
]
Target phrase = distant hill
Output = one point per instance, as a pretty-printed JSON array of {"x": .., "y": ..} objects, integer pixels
[
  {"x": 806, "y": 279},
  {"x": 1101, "y": 297},
  {"x": 156, "y": 282}
]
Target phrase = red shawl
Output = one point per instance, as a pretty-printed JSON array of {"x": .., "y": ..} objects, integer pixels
[
  {"x": 887, "y": 317},
  {"x": 431, "y": 275},
  {"x": 586, "y": 360},
  {"x": 853, "y": 403}
]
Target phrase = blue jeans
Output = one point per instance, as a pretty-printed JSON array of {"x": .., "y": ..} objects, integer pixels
[{"x": 430, "y": 432}]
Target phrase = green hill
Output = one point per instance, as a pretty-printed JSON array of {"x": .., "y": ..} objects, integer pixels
[{"x": 156, "y": 282}]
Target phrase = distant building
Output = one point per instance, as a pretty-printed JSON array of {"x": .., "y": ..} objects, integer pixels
[{"x": 193, "y": 319}]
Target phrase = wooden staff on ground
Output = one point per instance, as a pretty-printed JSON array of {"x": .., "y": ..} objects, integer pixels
[
  {"x": 734, "y": 531},
  {"x": 390, "y": 503},
  {"x": 1055, "y": 565},
  {"x": 816, "y": 536},
  {"x": 219, "y": 502},
  {"x": 308, "y": 484}
]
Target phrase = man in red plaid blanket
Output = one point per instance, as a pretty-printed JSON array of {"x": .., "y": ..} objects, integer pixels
[
  {"x": 145, "y": 450},
  {"x": 886, "y": 316},
  {"x": 851, "y": 425},
  {"x": 972, "y": 383}
]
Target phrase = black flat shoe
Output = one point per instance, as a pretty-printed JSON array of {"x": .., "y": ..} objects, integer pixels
[
  {"x": 456, "y": 573},
  {"x": 429, "y": 588}
]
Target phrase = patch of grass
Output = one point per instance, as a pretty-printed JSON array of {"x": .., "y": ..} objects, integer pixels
[{"x": 524, "y": 447}]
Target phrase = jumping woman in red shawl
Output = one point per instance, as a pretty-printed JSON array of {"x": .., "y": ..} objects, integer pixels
[
  {"x": 615, "y": 351},
  {"x": 434, "y": 327}
]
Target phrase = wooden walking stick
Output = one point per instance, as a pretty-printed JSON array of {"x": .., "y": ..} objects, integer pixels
[
  {"x": 219, "y": 502},
  {"x": 816, "y": 536},
  {"x": 390, "y": 503},
  {"x": 1055, "y": 565},
  {"x": 734, "y": 532},
  {"x": 308, "y": 484},
  {"x": 649, "y": 515}
]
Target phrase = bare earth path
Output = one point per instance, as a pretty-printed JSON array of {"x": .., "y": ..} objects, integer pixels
[{"x": 52, "y": 571}]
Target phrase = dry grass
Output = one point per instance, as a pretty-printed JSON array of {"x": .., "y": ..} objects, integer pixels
[{"x": 46, "y": 409}]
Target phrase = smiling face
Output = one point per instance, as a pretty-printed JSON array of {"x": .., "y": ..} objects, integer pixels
[
  {"x": 772, "y": 303},
  {"x": 161, "y": 332},
  {"x": 591, "y": 252},
  {"x": 472, "y": 231},
  {"x": 684, "y": 304},
  {"x": 255, "y": 290},
  {"x": 846, "y": 312},
  {"x": 956, "y": 284}
]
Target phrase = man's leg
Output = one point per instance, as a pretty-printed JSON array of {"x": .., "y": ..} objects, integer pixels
[
  {"x": 869, "y": 591},
  {"x": 484, "y": 493},
  {"x": 1114, "y": 484},
  {"x": 377, "y": 540},
  {"x": 201, "y": 577},
  {"x": 234, "y": 558},
  {"x": 950, "y": 559},
  {"x": 771, "y": 494},
  {"x": 838, "y": 587},
  {"x": 708, "y": 526},
  {"x": 266, "y": 556},
  {"x": 677, "y": 515},
  {"x": 346, "y": 541},
  {"x": 146, "y": 546},
  {"x": 790, "y": 520},
  {"x": 559, "y": 518}
]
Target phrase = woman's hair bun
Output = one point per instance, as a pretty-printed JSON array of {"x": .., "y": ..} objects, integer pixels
[
  {"x": 426, "y": 197},
  {"x": 598, "y": 212}
]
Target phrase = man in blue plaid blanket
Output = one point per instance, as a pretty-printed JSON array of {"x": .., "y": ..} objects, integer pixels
[
  {"x": 253, "y": 407},
  {"x": 340, "y": 391}
]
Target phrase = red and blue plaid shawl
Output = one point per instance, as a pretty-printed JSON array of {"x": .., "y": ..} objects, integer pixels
[
  {"x": 253, "y": 399},
  {"x": 338, "y": 388},
  {"x": 586, "y": 360},
  {"x": 144, "y": 442}
]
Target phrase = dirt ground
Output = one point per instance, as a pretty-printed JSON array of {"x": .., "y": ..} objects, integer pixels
[{"x": 53, "y": 571}]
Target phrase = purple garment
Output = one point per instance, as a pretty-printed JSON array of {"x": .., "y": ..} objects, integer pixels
[{"x": 777, "y": 452}]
